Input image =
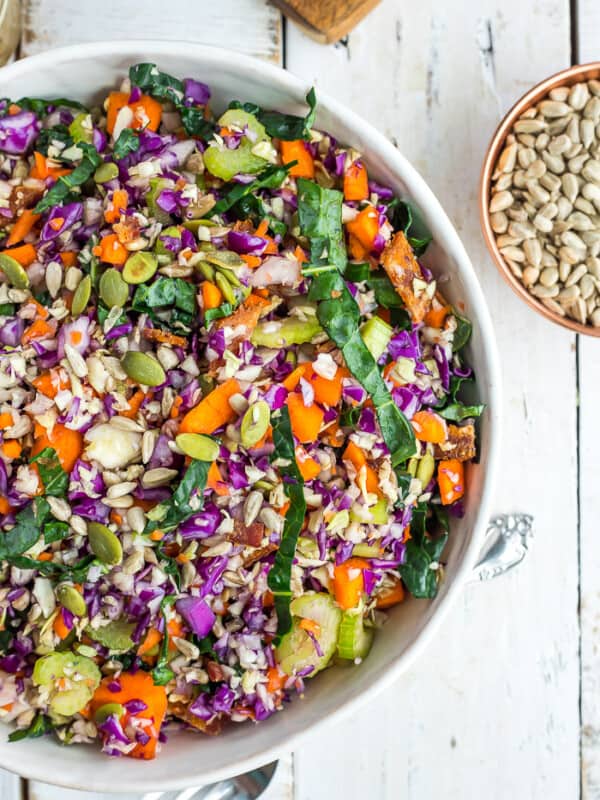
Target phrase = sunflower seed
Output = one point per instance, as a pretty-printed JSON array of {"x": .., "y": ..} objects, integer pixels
[
  {"x": 587, "y": 287},
  {"x": 59, "y": 508},
  {"x": 54, "y": 275},
  {"x": 593, "y": 265},
  {"x": 148, "y": 444},
  {"x": 136, "y": 519},
  {"x": 564, "y": 270},
  {"x": 158, "y": 477},
  {"x": 549, "y": 276},
  {"x": 507, "y": 160},
  {"x": 580, "y": 221},
  {"x": 533, "y": 252},
  {"x": 592, "y": 109},
  {"x": 552, "y": 305},
  {"x": 536, "y": 169},
  {"x": 252, "y": 506},
  {"x": 501, "y": 201},
  {"x": 578, "y": 96},
  {"x": 596, "y": 318},
  {"x": 513, "y": 253},
  {"x": 586, "y": 131},
  {"x": 120, "y": 489},
  {"x": 591, "y": 171},
  {"x": 569, "y": 295},
  {"x": 529, "y": 126},
  {"x": 76, "y": 361},
  {"x": 119, "y": 502},
  {"x": 543, "y": 223},
  {"x": 570, "y": 186},
  {"x": 554, "y": 163},
  {"x": 499, "y": 222},
  {"x": 576, "y": 275},
  {"x": 553, "y": 108},
  {"x": 530, "y": 275},
  {"x": 545, "y": 291}
]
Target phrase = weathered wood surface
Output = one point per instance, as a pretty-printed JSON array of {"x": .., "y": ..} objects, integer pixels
[{"x": 493, "y": 708}]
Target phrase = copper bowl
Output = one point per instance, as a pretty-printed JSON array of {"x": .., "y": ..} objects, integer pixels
[{"x": 567, "y": 77}]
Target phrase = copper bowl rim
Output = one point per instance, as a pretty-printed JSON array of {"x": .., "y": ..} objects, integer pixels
[{"x": 565, "y": 77}]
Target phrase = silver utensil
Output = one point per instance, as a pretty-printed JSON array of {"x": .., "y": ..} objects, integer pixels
[{"x": 247, "y": 786}]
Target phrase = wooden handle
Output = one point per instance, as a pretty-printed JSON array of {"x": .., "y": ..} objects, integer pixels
[{"x": 326, "y": 20}]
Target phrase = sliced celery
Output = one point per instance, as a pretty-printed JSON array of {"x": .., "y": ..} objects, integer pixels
[
  {"x": 297, "y": 649},
  {"x": 225, "y": 163},
  {"x": 354, "y": 639},
  {"x": 71, "y": 680},
  {"x": 280, "y": 333},
  {"x": 156, "y": 187},
  {"x": 238, "y": 118},
  {"x": 376, "y": 334},
  {"x": 160, "y": 247}
]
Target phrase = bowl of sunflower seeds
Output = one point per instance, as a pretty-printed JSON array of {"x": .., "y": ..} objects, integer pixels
[{"x": 540, "y": 198}]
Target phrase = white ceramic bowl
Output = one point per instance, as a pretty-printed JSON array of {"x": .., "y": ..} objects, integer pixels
[{"x": 85, "y": 72}]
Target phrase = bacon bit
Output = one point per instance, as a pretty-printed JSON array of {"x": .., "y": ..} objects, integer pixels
[
  {"x": 215, "y": 673},
  {"x": 249, "y": 535},
  {"x": 156, "y": 335},
  {"x": 268, "y": 599},
  {"x": 127, "y": 231}
]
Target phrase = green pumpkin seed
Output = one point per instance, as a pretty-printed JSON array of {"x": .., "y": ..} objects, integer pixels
[
  {"x": 106, "y": 172},
  {"x": 230, "y": 275},
  {"x": 426, "y": 469},
  {"x": 71, "y": 599},
  {"x": 207, "y": 270},
  {"x": 104, "y": 544},
  {"x": 143, "y": 368},
  {"x": 198, "y": 446},
  {"x": 140, "y": 267},
  {"x": 14, "y": 271},
  {"x": 225, "y": 287},
  {"x": 113, "y": 289},
  {"x": 82, "y": 296},
  {"x": 116, "y": 635},
  {"x": 226, "y": 259},
  {"x": 255, "y": 423},
  {"x": 266, "y": 486},
  {"x": 109, "y": 710}
]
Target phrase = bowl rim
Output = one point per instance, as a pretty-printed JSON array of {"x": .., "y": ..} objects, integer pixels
[
  {"x": 295, "y": 86},
  {"x": 564, "y": 77}
]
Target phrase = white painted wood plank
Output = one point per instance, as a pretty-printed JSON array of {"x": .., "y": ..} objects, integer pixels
[
  {"x": 492, "y": 709},
  {"x": 588, "y": 21},
  {"x": 11, "y": 786},
  {"x": 588, "y": 30},
  {"x": 249, "y": 26}
]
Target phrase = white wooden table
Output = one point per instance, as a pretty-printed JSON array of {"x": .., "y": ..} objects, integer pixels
[{"x": 506, "y": 702}]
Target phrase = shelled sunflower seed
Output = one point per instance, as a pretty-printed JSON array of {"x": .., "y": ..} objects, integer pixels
[{"x": 545, "y": 201}]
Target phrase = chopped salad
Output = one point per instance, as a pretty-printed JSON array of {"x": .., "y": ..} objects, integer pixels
[{"x": 231, "y": 432}]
